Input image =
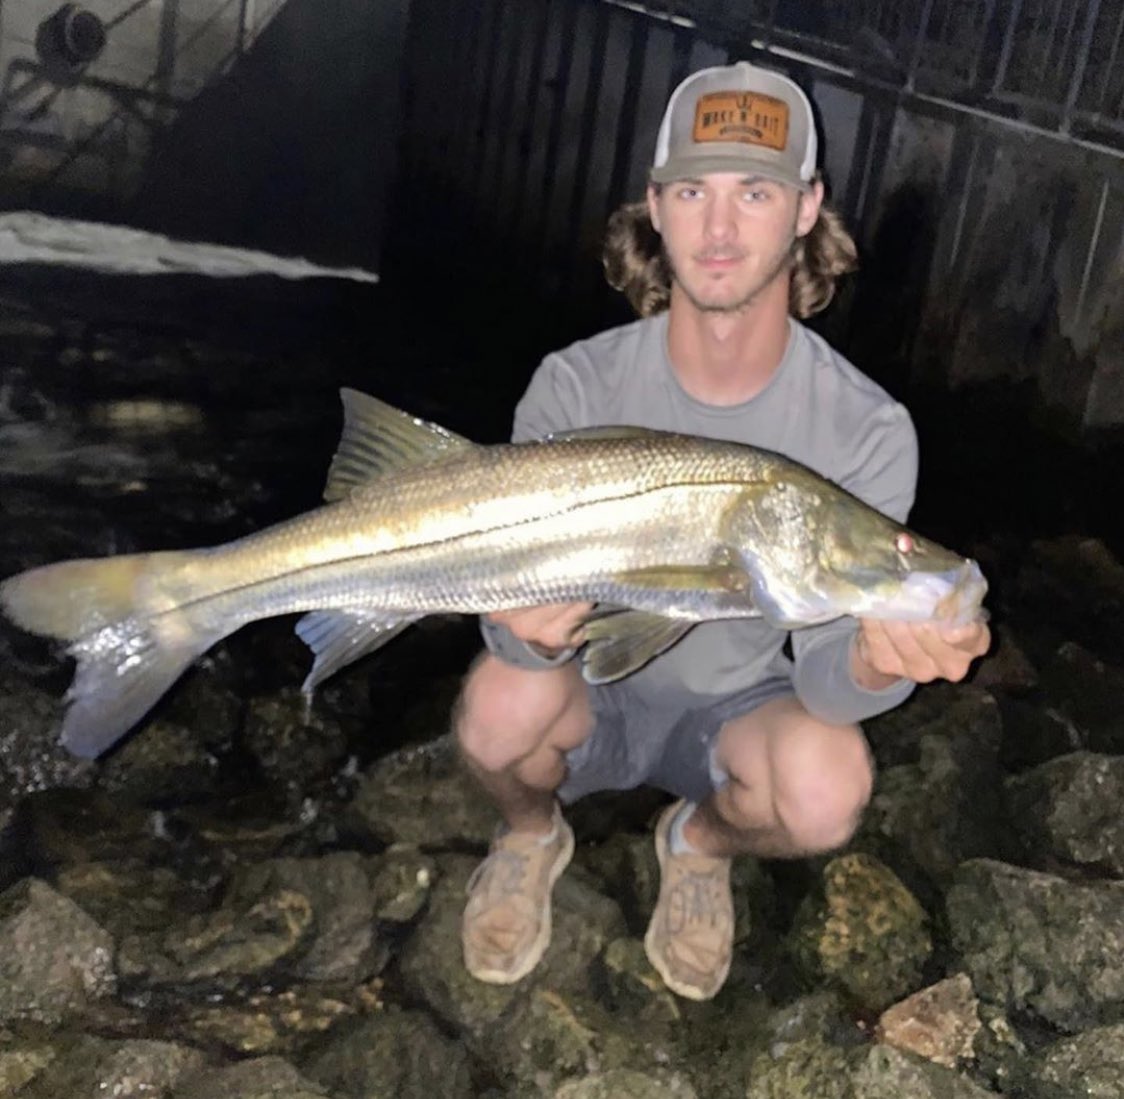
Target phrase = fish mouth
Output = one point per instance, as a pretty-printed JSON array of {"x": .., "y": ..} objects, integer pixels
[{"x": 952, "y": 597}]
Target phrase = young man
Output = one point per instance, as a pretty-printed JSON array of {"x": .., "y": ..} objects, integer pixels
[{"x": 764, "y": 752}]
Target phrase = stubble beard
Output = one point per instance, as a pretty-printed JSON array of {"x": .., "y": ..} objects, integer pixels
[{"x": 780, "y": 266}]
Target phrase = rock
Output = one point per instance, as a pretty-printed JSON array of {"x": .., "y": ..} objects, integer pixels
[
  {"x": 392, "y": 1055},
  {"x": 128, "y": 897},
  {"x": 247, "y": 937},
  {"x": 1086, "y": 691},
  {"x": 401, "y": 882},
  {"x": 21, "y": 1060},
  {"x": 551, "y": 1034},
  {"x": 634, "y": 988},
  {"x": 1072, "y": 809},
  {"x": 84, "y": 1067},
  {"x": 1034, "y": 732},
  {"x": 260, "y": 1078},
  {"x": 808, "y": 1068},
  {"x": 1038, "y": 943},
  {"x": 342, "y": 946},
  {"x": 53, "y": 957},
  {"x": 424, "y": 797},
  {"x": 864, "y": 931},
  {"x": 294, "y": 743},
  {"x": 888, "y": 1073},
  {"x": 1076, "y": 585},
  {"x": 999, "y": 1050},
  {"x": 627, "y": 1084},
  {"x": 1089, "y": 1066},
  {"x": 165, "y": 765},
  {"x": 939, "y": 1023},
  {"x": 31, "y": 758},
  {"x": 274, "y": 1022},
  {"x": 432, "y": 964}
]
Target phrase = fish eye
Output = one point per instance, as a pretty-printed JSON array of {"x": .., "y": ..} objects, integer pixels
[{"x": 903, "y": 543}]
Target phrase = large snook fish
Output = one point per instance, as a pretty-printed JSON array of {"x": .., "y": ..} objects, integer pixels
[{"x": 667, "y": 529}]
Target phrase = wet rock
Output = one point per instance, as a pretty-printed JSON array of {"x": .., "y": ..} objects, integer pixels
[
  {"x": 401, "y": 883},
  {"x": 939, "y": 1023},
  {"x": 863, "y": 931},
  {"x": 245, "y": 938},
  {"x": 552, "y": 1034},
  {"x": 1072, "y": 809},
  {"x": 53, "y": 957},
  {"x": 432, "y": 965},
  {"x": 22, "y": 1059},
  {"x": 392, "y": 1055},
  {"x": 128, "y": 896},
  {"x": 1075, "y": 585},
  {"x": 1037, "y": 943},
  {"x": 999, "y": 1050},
  {"x": 293, "y": 742},
  {"x": 260, "y": 1078},
  {"x": 164, "y": 765},
  {"x": 925, "y": 818},
  {"x": 1086, "y": 691},
  {"x": 1034, "y": 732},
  {"x": 272, "y": 1021},
  {"x": 1090, "y": 1066},
  {"x": 807, "y": 1067},
  {"x": 888, "y": 1073},
  {"x": 423, "y": 796},
  {"x": 627, "y": 1084},
  {"x": 634, "y": 988},
  {"x": 31, "y": 758},
  {"x": 85, "y": 1067},
  {"x": 342, "y": 946}
]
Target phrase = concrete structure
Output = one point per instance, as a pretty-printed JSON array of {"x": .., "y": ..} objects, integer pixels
[{"x": 250, "y": 122}]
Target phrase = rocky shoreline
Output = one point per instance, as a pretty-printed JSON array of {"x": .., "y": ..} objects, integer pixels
[{"x": 247, "y": 898}]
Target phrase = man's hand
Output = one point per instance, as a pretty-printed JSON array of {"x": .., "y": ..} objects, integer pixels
[
  {"x": 884, "y": 652},
  {"x": 550, "y": 628}
]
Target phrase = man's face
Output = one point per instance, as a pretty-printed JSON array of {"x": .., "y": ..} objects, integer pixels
[{"x": 728, "y": 236}]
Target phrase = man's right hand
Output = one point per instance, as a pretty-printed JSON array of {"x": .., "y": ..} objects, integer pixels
[{"x": 550, "y": 628}]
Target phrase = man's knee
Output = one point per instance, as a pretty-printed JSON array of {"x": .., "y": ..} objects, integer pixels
[
  {"x": 823, "y": 778},
  {"x": 819, "y": 777},
  {"x": 504, "y": 713}
]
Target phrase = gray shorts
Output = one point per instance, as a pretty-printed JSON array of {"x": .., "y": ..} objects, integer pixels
[{"x": 637, "y": 740}]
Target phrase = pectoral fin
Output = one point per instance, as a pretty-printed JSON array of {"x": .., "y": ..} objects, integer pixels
[
  {"x": 340, "y": 637},
  {"x": 623, "y": 642}
]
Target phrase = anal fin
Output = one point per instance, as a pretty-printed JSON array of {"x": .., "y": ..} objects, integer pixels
[{"x": 337, "y": 638}]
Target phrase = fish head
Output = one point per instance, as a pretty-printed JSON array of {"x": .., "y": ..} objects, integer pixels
[
  {"x": 814, "y": 552},
  {"x": 869, "y": 566}
]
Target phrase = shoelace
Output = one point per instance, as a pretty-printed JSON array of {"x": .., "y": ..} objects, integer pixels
[{"x": 503, "y": 870}]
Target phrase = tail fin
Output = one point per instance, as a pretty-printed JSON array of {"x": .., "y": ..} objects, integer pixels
[{"x": 128, "y": 653}]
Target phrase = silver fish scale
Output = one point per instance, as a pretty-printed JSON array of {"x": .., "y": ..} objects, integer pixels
[{"x": 494, "y": 528}]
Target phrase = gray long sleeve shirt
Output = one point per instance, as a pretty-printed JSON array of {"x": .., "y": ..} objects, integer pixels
[{"x": 818, "y": 409}]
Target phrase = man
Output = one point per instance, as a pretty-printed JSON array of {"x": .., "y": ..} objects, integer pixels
[{"x": 764, "y": 752}]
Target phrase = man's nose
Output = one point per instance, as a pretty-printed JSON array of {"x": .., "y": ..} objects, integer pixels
[{"x": 720, "y": 221}]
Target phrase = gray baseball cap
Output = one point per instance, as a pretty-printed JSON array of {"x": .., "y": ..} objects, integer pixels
[{"x": 737, "y": 118}]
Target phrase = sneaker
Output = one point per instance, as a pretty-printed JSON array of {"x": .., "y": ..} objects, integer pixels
[
  {"x": 506, "y": 926},
  {"x": 690, "y": 938}
]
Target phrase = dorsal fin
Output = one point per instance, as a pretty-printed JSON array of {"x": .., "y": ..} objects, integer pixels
[{"x": 378, "y": 438}]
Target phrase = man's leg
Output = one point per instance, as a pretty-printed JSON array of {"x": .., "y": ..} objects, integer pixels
[
  {"x": 514, "y": 727},
  {"x": 796, "y": 786}
]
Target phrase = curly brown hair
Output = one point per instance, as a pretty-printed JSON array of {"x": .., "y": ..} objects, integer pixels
[{"x": 635, "y": 262}]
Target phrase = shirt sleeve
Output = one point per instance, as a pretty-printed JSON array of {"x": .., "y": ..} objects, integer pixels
[
  {"x": 884, "y": 475},
  {"x": 552, "y": 402}
]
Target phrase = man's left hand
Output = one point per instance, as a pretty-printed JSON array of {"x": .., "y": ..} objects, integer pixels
[{"x": 884, "y": 652}]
